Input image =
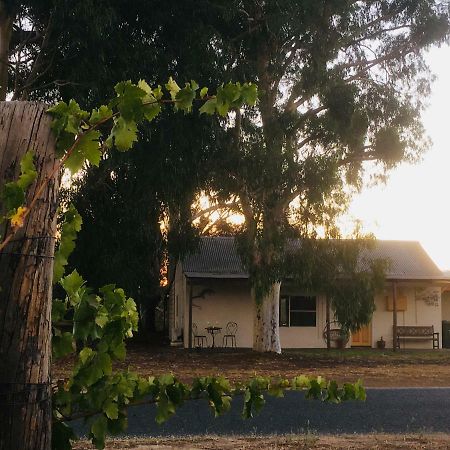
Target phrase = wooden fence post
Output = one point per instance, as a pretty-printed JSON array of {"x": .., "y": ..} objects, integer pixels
[{"x": 26, "y": 266}]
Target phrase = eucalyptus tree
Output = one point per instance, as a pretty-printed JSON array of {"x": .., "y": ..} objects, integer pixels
[{"x": 342, "y": 86}]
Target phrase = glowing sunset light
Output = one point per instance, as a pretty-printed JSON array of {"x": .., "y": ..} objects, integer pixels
[{"x": 413, "y": 205}]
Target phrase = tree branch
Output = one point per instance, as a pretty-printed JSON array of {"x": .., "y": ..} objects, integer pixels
[
  {"x": 38, "y": 61},
  {"x": 230, "y": 206}
]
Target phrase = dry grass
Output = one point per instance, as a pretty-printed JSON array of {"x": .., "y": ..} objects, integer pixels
[
  {"x": 377, "y": 368},
  {"x": 305, "y": 441}
]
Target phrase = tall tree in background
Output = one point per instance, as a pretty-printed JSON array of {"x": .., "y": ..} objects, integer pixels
[
  {"x": 52, "y": 56},
  {"x": 342, "y": 85},
  {"x": 158, "y": 181}
]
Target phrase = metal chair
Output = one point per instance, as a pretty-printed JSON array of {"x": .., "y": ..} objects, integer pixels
[
  {"x": 230, "y": 334},
  {"x": 200, "y": 340}
]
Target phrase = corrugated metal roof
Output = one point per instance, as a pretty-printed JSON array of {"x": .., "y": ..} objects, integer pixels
[{"x": 217, "y": 257}]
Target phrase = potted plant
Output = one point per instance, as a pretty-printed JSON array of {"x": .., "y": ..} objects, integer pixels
[{"x": 381, "y": 343}]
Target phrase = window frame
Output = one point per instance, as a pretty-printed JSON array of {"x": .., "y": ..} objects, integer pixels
[{"x": 287, "y": 299}]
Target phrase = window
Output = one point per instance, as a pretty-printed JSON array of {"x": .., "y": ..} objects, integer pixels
[{"x": 297, "y": 311}]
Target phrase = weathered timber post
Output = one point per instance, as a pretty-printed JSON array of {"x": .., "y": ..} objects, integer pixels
[
  {"x": 394, "y": 315},
  {"x": 328, "y": 334},
  {"x": 26, "y": 266}
]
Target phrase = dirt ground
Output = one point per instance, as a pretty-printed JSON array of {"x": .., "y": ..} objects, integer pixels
[
  {"x": 287, "y": 442},
  {"x": 411, "y": 368}
]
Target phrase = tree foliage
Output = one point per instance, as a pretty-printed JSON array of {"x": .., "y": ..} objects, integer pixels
[{"x": 342, "y": 88}]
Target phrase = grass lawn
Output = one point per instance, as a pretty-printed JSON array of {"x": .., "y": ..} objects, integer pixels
[{"x": 377, "y": 368}]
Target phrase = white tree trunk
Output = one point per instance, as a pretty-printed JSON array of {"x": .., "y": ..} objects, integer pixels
[{"x": 266, "y": 320}]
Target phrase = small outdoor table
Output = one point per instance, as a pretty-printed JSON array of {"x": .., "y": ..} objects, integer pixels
[{"x": 213, "y": 331}]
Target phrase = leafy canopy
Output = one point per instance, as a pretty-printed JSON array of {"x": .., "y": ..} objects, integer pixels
[{"x": 78, "y": 137}]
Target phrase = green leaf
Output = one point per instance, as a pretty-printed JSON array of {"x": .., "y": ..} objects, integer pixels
[
  {"x": 222, "y": 108},
  {"x": 111, "y": 409},
  {"x": 151, "y": 106},
  {"x": 62, "y": 345},
  {"x": 119, "y": 351},
  {"x": 68, "y": 117},
  {"x": 98, "y": 431},
  {"x": 165, "y": 409},
  {"x": 13, "y": 193},
  {"x": 104, "y": 363},
  {"x": 314, "y": 390},
  {"x": 158, "y": 93},
  {"x": 70, "y": 227},
  {"x": 64, "y": 142},
  {"x": 75, "y": 161},
  {"x": 144, "y": 386},
  {"x": 229, "y": 93},
  {"x": 276, "y": 391},
  {"x": 27, "y": 171},
  {"x": 87, "y": 148},
  {"x": 142, "y": 84},
  {"x": 194, "y": 85},
  {"x": 151, "y": 110},
  {"x": 72, "y": 283},
  {"x": 333, "y": 392},
  {"x": 123, "y": 134},
  {"x": 249, "y": 92},
  {"x": 184, "y": 98},
  {"x": 209, "y": 107},
  {"x": 59, "y": 263},
  {"x": 102, "y": 319},
  {"x": 58, "y": 310},
  {"x": 118, "y": 425},
  {"x": 13, "y": 196},
  {"x": 166, "y": 379},
  {"x": 300, "y": 382},
  {"x": 203, "y": 92},
  {"x": 173, "y": 88},
  {"x": 100, "y": 114},
  {"x": 86, "y": 354},
  {"x": 129, "y": 101}
]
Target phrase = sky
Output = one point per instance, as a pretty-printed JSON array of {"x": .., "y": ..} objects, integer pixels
[{"x": 414, "y": 203}]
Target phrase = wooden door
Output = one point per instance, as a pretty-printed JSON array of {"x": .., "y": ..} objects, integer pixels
[{"x": 362, "y": 337}]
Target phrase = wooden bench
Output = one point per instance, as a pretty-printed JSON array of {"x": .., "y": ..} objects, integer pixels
[{"x": 417, "y": 332}]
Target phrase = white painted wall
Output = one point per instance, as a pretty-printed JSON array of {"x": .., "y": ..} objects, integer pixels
[
  {"x": 418, "y": 312},
  {"x": 231, "y": 301}
]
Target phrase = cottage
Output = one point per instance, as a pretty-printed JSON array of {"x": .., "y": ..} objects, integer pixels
[{"x": 211, "y": 288}]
